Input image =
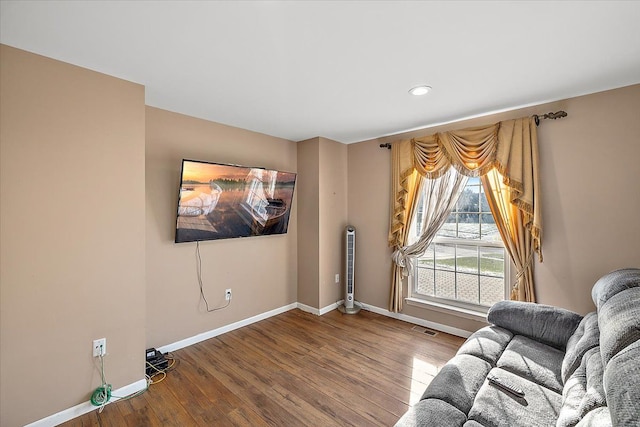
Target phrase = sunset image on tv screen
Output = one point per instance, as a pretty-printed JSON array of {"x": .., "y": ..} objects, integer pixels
[{"x": 219, "y": 201}]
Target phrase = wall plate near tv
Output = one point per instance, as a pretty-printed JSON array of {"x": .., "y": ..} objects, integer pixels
[{"x": 224, "y": 201}]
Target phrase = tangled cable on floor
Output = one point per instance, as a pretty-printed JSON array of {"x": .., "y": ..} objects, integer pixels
[{"x": 101, "y": 395}]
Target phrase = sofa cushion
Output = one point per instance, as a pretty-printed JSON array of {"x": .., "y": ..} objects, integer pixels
[
  {"x": 550, "y": 325},
  {"x": 487, "y": 343},
  {"x": 494, "y": 407},
  {"x": 598, "y": 418},
  {"x": 583, "y": 391},
  {"x": 432, "y": 412},
  {"x": 586, "y": 337},
  {"x": 534, "y": 361},
  {"x": 458, "y": 381},
  {"x": 622, "y": 383}
]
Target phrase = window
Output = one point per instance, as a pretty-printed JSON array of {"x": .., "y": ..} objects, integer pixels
[{"x": 465, "y": 264}]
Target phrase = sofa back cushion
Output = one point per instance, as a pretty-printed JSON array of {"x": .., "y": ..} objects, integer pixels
[
  {"x": 617, "y": 297},
  {"x": 550, "y": 325},
  {"x": 622, "y": 385},
  {"x": 619, "y": 321},
  {"x": 613, "y": 283}
]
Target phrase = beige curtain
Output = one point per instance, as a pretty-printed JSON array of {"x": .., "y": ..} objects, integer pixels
[
  {"x": 518, "y": 242},
  {"x": 405, "y": 190},
  {"x": 509, "y": 146}
]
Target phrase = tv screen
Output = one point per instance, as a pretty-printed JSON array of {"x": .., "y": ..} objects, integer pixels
[{"x": 222, "y": 201}]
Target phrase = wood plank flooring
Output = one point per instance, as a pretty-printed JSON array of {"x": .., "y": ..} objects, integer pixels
[{"x": 293, "y": 369}]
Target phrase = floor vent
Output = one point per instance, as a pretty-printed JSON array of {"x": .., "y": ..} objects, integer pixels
[{"x": 423, "y": 330}]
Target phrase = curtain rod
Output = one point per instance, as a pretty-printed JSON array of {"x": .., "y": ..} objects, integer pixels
[{"x": 553, "y": 116}]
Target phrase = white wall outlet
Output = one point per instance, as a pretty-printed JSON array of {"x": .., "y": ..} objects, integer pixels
[
  {"x": 99, "y": 347},
  {"x": 227, "y": 294},
  {"x": 337, "y": 278}
]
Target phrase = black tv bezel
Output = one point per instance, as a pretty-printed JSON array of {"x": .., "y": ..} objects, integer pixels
[{"x": 226, "y": 237}]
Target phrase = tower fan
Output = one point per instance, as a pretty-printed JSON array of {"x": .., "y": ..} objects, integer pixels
[{"x": 350, "y": 305}]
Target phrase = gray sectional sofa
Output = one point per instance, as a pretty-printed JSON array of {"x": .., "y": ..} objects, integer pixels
[{"x": 572, "y": 370}]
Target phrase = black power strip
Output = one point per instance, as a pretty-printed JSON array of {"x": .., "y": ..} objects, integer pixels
[{"x": 156, "y": 361}]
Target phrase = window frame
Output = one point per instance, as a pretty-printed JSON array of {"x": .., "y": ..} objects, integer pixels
[{"x": 456, "y": 305}]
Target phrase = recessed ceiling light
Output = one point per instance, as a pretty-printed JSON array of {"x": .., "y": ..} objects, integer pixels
[{"x": 420, "y": 90}]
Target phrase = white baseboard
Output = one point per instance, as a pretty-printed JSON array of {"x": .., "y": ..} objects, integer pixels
[
  {"x": 308, "y": 308},
  {"x": 224, "y": 329},
  {"x": 330, "y": 307},
  {"x": 416, "y": 320},
  {"x": 86, "y": 407},
  {"x": 317, "y": 312},
  {"x": 404, "y": 317}
]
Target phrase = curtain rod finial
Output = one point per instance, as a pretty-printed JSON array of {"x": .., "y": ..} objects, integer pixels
[{"x": 557, "y": 115}]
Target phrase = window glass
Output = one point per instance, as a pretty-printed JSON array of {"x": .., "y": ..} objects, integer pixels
[{"x": 465, "y": 265}]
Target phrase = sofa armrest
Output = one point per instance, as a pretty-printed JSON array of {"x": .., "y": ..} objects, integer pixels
[{"x": 545, "y": 323}]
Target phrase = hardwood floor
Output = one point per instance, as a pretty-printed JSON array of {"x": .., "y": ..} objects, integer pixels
[{"x": 293, "y": 369}]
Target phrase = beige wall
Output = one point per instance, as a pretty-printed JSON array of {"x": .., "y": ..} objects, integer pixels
[
  {"x": 322, "y": 218},
  {"x": 333, "y": 219},
  {"x": 261, "y": 271},
  {"x": 591, "y": 191},
  {"x": 369, "y": 186},
  {"x": 590, "y": 216},
  {"x": 308, "y": 184},
  {"x": 72, "y": 233}
]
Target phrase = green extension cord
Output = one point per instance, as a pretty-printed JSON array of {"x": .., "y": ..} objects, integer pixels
[{"x": 101, "y": 395}]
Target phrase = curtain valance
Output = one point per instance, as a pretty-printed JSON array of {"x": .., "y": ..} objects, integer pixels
[{"x": 509, "y": 146}]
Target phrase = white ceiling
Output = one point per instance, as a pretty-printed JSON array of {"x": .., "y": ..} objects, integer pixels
[{"x": 339, "y": 69}]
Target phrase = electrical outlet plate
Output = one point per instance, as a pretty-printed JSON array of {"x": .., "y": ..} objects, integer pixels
[
  {"x": 337, "y": 278},
  {"x": 227, "y": 295},
  {"x": 99, "y": 347}
]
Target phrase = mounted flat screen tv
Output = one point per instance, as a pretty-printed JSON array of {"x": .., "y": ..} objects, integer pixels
[{"x": 222, "y": 201}]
